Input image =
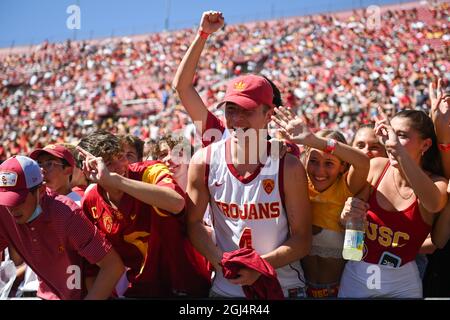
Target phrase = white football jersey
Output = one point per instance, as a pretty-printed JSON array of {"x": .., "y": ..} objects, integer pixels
[{"x": 248, "y": 212}]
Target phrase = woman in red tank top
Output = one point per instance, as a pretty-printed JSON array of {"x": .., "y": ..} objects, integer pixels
[{"x": 406, "y": 191}]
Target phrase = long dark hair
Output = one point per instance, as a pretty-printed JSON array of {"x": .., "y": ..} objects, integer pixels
[{"x": 422, "y": 123}]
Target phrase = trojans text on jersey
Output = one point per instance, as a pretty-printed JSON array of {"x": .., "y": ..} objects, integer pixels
[{"x": 250, "y": 211}]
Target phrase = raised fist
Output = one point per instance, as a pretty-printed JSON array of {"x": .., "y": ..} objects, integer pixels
[{"x": 211, "y": 21}]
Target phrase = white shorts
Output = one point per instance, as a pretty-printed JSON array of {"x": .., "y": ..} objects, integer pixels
[
  {"x": 327, "y": 244},
  {"x": 366, "y": 280}
]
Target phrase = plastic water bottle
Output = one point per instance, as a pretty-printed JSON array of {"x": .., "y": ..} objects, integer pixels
[{"x": 354, "y": 240}]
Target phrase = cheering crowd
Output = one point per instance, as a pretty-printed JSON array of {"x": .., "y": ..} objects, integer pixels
[{"x": 98, "y": 175}]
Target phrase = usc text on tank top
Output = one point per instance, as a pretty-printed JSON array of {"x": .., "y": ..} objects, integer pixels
[
  {"x": 248, "y": 212},
  {"x": 393, "y": 238}
]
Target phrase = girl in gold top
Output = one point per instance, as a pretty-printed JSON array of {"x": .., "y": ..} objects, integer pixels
[{"x": 336, "y": 171}]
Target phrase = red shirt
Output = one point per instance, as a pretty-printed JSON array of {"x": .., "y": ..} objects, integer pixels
[
  {"x": 150, "y": 241},
  {"x": 393, "y": 237},
  {"x": 54, "y": 244},
  {"x": 266, "y": 287}
]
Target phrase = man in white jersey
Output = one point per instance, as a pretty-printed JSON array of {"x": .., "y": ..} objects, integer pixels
[{"x": 257, "y": 200}]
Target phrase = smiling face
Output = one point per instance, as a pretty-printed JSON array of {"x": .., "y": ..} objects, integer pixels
[
  {"x": 245, "y": 119},
  {"x": 175, "y": 159},
  {"x": 323, "y": 169}
]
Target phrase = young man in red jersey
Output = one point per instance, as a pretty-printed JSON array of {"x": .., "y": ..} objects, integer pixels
[{"x": 140, "y": 209}]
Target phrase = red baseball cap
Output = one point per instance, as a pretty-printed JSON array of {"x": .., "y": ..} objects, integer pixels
[
  {"x": 17, "y": 175},
  {"x": 249, "y": 92},
  {"x": 56, "y": 150}
]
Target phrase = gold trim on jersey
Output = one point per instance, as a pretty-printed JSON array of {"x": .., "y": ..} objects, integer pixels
[
  {"x": 153, "y": 174},
  {"x": 142, "y": 246}
]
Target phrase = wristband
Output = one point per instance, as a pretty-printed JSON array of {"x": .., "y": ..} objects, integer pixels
[
  {"x": 331, "y": 146},
  {"x": 203, "y": 34},
  {"x": 444, "y": 146}
]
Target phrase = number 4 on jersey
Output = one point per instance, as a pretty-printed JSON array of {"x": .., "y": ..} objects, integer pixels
[{"x": 246, "y": 239}]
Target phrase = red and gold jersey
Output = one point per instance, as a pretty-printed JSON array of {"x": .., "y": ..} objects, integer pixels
[{"x": 137, "y": 230}]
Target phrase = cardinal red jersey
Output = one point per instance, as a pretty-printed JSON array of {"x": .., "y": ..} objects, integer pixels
[{"x": 148, "y": 239}]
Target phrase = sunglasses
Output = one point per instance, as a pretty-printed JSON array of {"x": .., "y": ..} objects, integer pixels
[{"x": 47, "y": 165}]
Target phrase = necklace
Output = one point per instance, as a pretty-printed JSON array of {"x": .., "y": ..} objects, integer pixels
[{"x": 398, "y": 191}]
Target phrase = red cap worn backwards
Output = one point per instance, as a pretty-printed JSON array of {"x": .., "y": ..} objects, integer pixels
[
  {"x": 249, "y": 92},
  {"x": 17, "y": 176},
  {"x": 55, "y": 150}
]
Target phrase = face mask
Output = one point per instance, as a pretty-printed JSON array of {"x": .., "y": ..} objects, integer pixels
[{"x": 37, "y": 211}]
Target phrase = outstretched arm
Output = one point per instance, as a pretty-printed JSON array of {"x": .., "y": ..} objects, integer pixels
[
  {"x": 159, "y": 196},
  {"x": 211, "y": 22},
  {"x": 295, "y": 129},
  {"x": 431, "y": 192}
]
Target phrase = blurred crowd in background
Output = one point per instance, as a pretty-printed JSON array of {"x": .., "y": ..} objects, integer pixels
[{"x": 335, "y": 69}]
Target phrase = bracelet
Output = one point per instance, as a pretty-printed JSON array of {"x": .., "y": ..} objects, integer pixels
[
  {"x": 331, "y": 146},
  {"x": 444, "y": 146},
  {"x": 203, "y": 34}
]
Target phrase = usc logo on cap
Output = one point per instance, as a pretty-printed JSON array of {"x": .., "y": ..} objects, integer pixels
[
  {"x": 240, "y": 86},
  {"x": 50, "y": 146},
  {"x": 8, "y": 179}
]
